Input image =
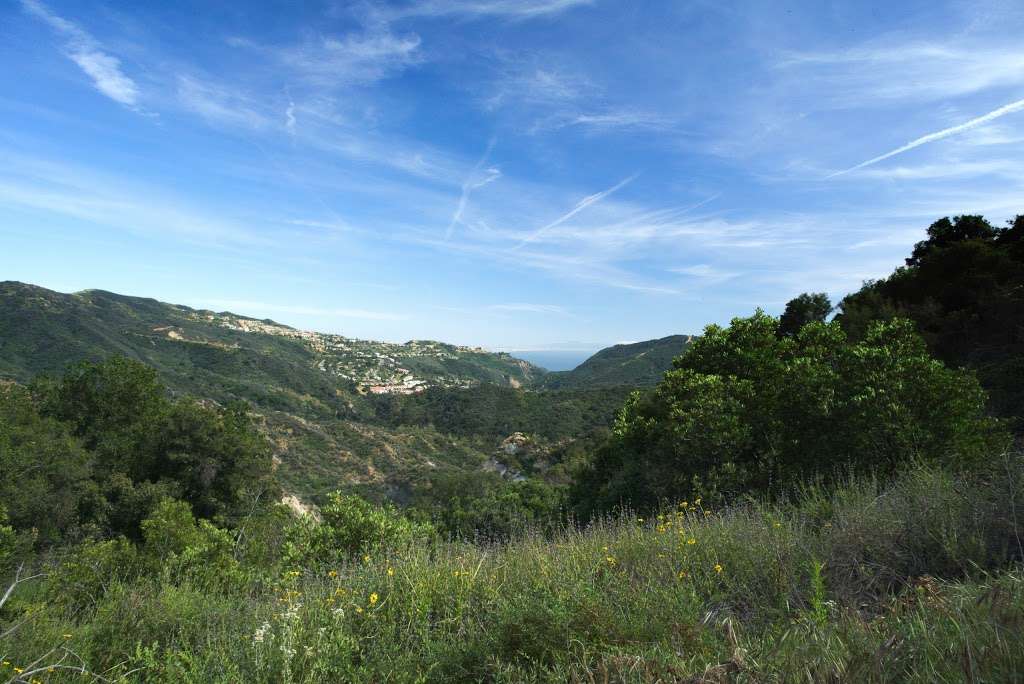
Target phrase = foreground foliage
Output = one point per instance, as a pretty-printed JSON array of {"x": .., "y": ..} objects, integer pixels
[{"x": 918, "y": 581}]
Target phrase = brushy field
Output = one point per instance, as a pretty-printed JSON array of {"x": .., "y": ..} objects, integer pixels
[{"x": 913, "y": 581}]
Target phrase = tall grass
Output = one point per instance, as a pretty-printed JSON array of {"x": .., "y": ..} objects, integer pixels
[{"x": 917, "y": 580}]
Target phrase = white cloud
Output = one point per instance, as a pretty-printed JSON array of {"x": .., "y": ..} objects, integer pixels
[
  {"x": 289, "y": 116},
  {"x": 896, "y": 70},
  {"x": 705, "y": 272},
  {"x": 477, "y": 178},
  {"x": 355, "y": 58},
  {"x": 240, "y": 306},
  {"x": 81, "y": 48},
  {"x": 529, "y": 308},
  {"x": 112, "y": 202},
  {"x": 939, "y": 135},
  {"x": 587, "y": 201},
  {"x": 218, "y": 104},
  {"x": 516, "y": 9},
  {"x": 953, "y": 168}
]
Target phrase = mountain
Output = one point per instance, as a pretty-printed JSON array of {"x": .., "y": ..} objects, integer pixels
[
  {"x": 640, "y": 364},
  {"x": 208, "y": 353},
  {"x": 314, "y": 393}
]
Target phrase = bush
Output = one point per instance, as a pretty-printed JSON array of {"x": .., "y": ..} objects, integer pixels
[
  {"x": 350, "y": 526},
  {"x": 186, "y": 549},
  {"x": 89, "y": 571},
  {"x": 44, "y": 472},
  {"x": 747, "y": 411}
]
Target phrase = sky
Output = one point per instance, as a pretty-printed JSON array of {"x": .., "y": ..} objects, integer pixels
[{"x": 514, "y": 174}]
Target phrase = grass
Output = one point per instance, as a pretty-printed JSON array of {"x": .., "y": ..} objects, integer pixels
[{"x": 913, "y": 581}]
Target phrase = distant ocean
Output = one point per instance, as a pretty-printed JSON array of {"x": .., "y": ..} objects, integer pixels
[{"x": 554, "y": 360}]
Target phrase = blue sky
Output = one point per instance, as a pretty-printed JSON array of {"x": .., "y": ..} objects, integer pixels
[{"x": 518, "y": 174}]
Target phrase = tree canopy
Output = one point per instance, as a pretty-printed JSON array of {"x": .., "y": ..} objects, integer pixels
[
  {"x": 94, "y": 452},
  {"x": 746, "y": 410},
  {"x": 964, "y": 289},
  {"x": 806, "y": 308}
]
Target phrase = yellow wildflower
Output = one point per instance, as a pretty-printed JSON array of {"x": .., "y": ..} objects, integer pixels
[
  {"x": 332, "y": 573},
  {"x": 366, "y": 558},
  {"x": 691, "y": 541},
  {"x": 391, "y": 572},
  {"x": 373, "y": 598},
  {"x": 718, "y": 567},
  {"x": 682, "y": 574},
  {"x": 359, "y": 609}
]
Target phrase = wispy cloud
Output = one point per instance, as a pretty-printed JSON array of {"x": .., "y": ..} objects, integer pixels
[
  {"x": 103, "y": 68},
  {"x": 289, "y": 117},
  {"x": 541, "y": 85},
  {"x": 555, "y": 98},
  {"x": 939, "y": 135},
  {"x": 258, "y": 308},
  {"x": 114, "y": 202},
  {"x": 896, "y": 70},
  {"x": 706, "y": 273},
  {"x": 953, "y": 168},
  {"x": 219, "y": 104},
  {"x": 587, "y": 201},
  {"x": 603, "y": 121},
  {"x": 529, "y": 308},
  {"x": 516, "y": 9},
  {"x": 474, "y": 180},
  {"x": 333, "y": 62}
]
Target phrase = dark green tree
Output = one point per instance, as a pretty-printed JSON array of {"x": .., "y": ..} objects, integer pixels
[
  {"x": 147, "y": 446},
  {"x": 746, "y": 410},
  {"x": 806, "y": 308},
  {"x": 44, "y": 472},
  {"x": 964, "y": 289},
  {"x": 944, "y": 233}
]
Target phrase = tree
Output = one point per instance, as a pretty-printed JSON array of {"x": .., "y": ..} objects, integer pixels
[
  {"x": 964, "y": 289},
  {"x": 806, "y": 308},
  {"x": 44, "y": 472},
  {"x": 745, "y": 410},
  {"x": 944, "y": 233},
  {"x": 145, "y": 446}
]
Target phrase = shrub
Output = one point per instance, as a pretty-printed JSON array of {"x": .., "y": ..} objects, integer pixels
[
  {"x": 187, "y": 549},
  {"x": 747, "y": 411},
  {"x": 86, "y": 574},
  {"x": 350, "y": 526}
]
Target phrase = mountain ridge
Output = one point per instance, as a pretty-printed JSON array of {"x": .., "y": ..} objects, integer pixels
[
  {"x": 384, "y": 419},
  {"x": 641, "y": 364}
]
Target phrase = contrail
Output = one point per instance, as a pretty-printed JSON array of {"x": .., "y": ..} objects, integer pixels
[
  {"x": 939, "y": 135},
  {"x": 470, "y": 184},
  {"x": 580, "y": 206}
]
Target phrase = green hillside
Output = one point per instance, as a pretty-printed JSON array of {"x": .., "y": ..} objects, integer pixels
[
  {"x": 204, "y": 352},
  {"x": 339, "y": 412},
  {"x": 640, "y": 364}
]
